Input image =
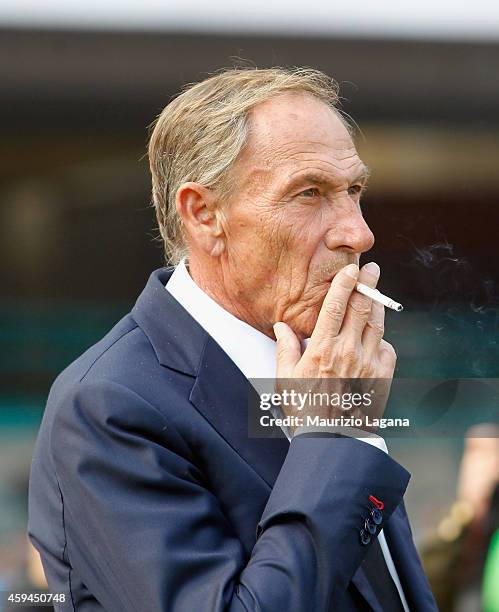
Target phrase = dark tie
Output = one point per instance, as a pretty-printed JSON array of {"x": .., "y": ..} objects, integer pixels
[{"x": 376, "y": 571}]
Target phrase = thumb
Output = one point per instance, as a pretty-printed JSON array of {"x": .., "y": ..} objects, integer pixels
[{"x": 288, "y": 350}]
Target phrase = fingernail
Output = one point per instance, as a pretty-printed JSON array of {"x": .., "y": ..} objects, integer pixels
[
  {"x": 372, "y": 267},
  {"x": 352, "y": 270}
]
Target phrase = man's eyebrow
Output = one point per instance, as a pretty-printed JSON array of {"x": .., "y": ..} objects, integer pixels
[
  {"x": 320, "y": 178},
  {"x": 312, "y": 176}
]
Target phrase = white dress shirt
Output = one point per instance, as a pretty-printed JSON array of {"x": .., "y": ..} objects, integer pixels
[{"x": 254, "y": 354}]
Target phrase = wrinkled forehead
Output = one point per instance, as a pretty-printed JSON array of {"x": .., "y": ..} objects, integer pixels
[{"x": 296, "y": 129}]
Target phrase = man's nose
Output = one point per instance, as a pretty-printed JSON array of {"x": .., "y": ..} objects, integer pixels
[{"x": 348, "y": 230}]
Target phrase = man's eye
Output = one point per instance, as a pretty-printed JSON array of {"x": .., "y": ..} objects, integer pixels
[
  {"x": 355, "y": 189},
  {"x": 310, "y": 193}
]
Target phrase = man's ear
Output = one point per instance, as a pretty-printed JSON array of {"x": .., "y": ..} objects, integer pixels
[{"x": 199, "y": 209}]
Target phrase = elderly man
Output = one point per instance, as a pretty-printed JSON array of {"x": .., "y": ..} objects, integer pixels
[{"x": 147, "y": 493}]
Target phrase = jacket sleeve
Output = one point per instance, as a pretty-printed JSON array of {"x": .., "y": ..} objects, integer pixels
[{"x": 145, "y": 532}]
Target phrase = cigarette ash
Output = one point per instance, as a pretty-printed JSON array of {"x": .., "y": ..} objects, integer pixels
[{"x": 464, "y": 311}]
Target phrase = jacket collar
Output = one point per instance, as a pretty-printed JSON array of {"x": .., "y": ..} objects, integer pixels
[
  {"x": 177, "y": 339},
  {"x": 220, "y": 391}
]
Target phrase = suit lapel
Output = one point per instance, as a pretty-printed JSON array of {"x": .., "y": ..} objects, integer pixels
[{"x": 222, "y": 393}]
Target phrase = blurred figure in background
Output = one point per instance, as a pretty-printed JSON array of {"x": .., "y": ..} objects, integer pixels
[{"x": 467, "y": 538}]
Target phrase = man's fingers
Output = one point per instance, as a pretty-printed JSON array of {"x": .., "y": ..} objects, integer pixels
[
  {"x": 288, "y": 350},
  {"x": 334, "y": 306},
  {"x": 387, "y": 358},
  {"x": 359, "y": 306},
  {"x": 373, "y": 331}
]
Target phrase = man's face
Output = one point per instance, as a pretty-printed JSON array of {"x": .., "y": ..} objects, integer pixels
[{"x": 294, "y": 218}]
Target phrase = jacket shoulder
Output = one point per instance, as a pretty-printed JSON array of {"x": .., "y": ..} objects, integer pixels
[{"x": 116, "y": 375}]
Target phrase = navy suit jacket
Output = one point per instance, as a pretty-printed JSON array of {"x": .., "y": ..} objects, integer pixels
[{"x": 146, "y": 493}]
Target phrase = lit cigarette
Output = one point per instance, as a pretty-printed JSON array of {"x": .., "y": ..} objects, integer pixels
[{"x": 377, "y": 296}]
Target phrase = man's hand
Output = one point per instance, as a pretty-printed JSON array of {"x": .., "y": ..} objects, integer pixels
[{"x": 347, "y": 342}]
